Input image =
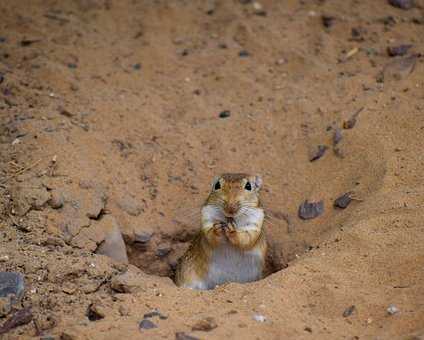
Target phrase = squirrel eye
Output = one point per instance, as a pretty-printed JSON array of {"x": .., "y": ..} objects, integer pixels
[
  {"x": 217, "y": 186},
  {"x": 248, "y": 186}
]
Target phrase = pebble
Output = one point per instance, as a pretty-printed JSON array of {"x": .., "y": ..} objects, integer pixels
[
  {"x": 327, "y": 21},
  {"x": 146, "y": 324},
  {"x": 56, "y": 199},
  {"x": 163, "y": 250},
  {"x": 205, "y": 325},
  {"x": 343, "y": 201},
  {"x": 392, "y": 309},
  {"x": 310, "y": 210},
  {"x": 128, "y": 282},
  {"x": 137, "y": 66},
  {"x": 400, "y": 50},
  {"x": 155, "y": 313},
  {"x": 337, "y": 137},
  {"x": 113, "y": 244},
  {"x": 12, "y": 283},
  {"x": 402, "y": 4},
  {"x": 243, "y": 54},
  {"x": 259, "y": 318},
  {"x": 224, "y": 114},
  {"x": 142, "y": 237},
  {"x": 349, "y": 311},
  {"x": 95, "y": 311},
  {"x": 184, "y": 336},
  {"x": 318, "y": 153}
]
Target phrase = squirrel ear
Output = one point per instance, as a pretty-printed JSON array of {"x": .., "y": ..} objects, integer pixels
[{"x": 258, "y": 181}]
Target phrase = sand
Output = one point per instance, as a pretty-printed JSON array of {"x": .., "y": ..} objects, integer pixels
[{"x": 110, "y": 125}]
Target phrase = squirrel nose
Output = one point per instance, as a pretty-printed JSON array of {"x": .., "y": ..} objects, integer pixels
[{"x": 231, "y": 209}]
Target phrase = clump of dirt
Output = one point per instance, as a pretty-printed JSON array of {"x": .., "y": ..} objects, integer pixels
[{"x": 117, "y": 115}]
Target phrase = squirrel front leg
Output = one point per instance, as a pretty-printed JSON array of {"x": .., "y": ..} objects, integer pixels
[
  {"x": 243, "y": 238},
  {"x": 214, "y": 232}
]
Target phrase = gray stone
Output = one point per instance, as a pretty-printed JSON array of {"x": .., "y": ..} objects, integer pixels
[
  {"x": 142, "y": 237},
  {"x": 13, "y": 284},
  {"x": 56, "y": 199},
  {"x": 146, "y": 324},
  {"x": 113, "y": 244}
]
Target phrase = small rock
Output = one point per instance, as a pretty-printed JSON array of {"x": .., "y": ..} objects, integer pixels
[
  {"x": 21, "y": 317},
  {"x": 401, "y": 50},
  {"x": 392, "y": 309},
  {"x": 142, "y": 237},
  {"x": 163, "y": 250},
  {"x": 343, "y": 201},
  {"x": 153, "y": 314},
  {"x": 244, "y": 54},
  {"x": 337, "y": 137},
  {"x": 318, "y": 153},
  {"x": 137, "y": 66},
  {"x": 124, "y": 311},
  {"x": 130, "y": 205},
  {"x": 351, "y": 122},
  {"x": 327, "y": 21},
  {"x": 13, "y": 284},
  {"x": 128, "y": 282},
  {"x": 349, "y": 311},
  {"x": 402, "y": 4},
  {"x": 398, "y": 69},
  {"x": 259, "y": 318},
  {"x": 72, "y": 65},
  {"x": 146, "y": 324},
  {"x": 56, "y": 199},
  {"x": 224, "y": 114},
  {"x": 205, "y": 325},
  {"x": 113, "y": 244},
  {"x": 183, "y": 336},
  {"x": 310, "y": 210},
  {"x": 95, "y": 311},
  {"x": 308, "y": 329}
]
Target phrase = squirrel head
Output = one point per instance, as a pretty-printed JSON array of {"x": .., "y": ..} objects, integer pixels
[{"x": 233, "y": 195}]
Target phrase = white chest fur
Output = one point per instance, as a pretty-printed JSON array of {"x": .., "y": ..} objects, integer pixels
[{"x": 230, "y": 264}]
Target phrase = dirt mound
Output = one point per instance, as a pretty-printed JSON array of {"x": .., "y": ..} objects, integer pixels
[{"x": 117, "y": 115}]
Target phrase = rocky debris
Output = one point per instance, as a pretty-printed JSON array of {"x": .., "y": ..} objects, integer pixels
[
  {"x": 21, "y": 317},
  {"x": 398, "y": 69},
  {"x": 130, "y": 205},
  {"x": 96, "y": 311},
  {"x": 103, "y": 237},
  {"x": 205, "y": 325},
  {"x": 327, "y": 21},
  {"x": 224, "y": 114},
  {"x": 343, "y": 201},
  {"x": 392, "y": 309},
  {"x": 310, "y": 210},
  {"x": 56, "y": 200},
  {"x": 349, "y": 311},
  {"x": 26, "y": 198},
  {"x": 146, "y": 324},
  {"x": 259, "y": 318},
  {"x": 337, "y": 137},
  {"x": 163, "y": 249},
  {"x": 142, "y": 237},
  {"x": 402, "y": 4},
  {"x": 113, "y": 244},
  {"x": 318, "y": 153},
  {"x": 184, "y": 336},
  {"x": 155, "y": 313},
  {"x": 129, "y": 282},
  {"x": 12, "y": 284},
  {"x": 400, "y": 50},
  {"x": 351, "y": 122}
]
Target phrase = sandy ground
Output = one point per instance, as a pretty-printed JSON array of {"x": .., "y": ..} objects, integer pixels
[{"x": 110, "y": 121}]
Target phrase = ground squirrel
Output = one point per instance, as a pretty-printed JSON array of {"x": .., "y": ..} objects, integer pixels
[{"x": 231, "y": 245}]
